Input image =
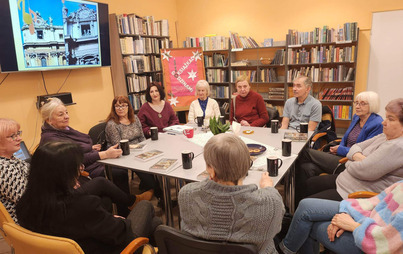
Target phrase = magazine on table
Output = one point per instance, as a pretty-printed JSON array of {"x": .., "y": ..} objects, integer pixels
[
  {"x": 164, "y": 164},
  {"x": 139, "y": 146},
  {"x": 149, "y": 155},
  {"x": 296, "y": 136},
  {"x": 176, "y": 129}
]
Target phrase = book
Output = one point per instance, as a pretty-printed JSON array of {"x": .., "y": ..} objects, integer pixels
[
  {"x": 149, "y": 155},
  {"x": 176, "y": 129},
  {"x": 164, "y": 164},
  {"x": 139, "y": 146},
  {"x": 296, "y": 136}
]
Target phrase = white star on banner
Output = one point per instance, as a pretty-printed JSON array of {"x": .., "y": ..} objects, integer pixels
[
  {"x": 192, "y": 75},
  {"x": 166, "y": 55},
  {"x": 197, "y": 55},
  {"x": 174, "y": 100}
]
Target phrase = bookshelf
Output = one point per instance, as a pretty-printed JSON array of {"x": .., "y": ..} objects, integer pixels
[{"x": 135, "y": 54}]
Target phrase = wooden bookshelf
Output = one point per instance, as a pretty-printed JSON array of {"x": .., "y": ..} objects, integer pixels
[{"x": 135, "y": 54}]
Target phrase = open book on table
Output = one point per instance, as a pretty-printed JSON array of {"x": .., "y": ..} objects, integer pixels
[
  {"x": 164, "y": 164},
  {"x": 149, "y": 155}
]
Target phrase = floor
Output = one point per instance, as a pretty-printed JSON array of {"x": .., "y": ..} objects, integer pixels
[{"x": 5, "y": 249}]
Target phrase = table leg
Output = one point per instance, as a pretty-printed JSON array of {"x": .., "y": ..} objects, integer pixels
[
  {"x": 178, "y": 185},
  {"x": 167, "y": 201},
  {"x": 108, "y": 172}
]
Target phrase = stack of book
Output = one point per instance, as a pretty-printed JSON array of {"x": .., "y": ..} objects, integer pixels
[
  {"x": 347, "y": 32},
  {"x": 134, "y": 25},
  {"x": 216, "y": 75},
  {"x": 345, "y": 93},
  {"x": 207, "y": 43},
  {"x": 242, "y": 41},
  {"x": 276, "y": 93},
  {"x": 251, "y": 74},
  {"x": 342, "y": 112}
]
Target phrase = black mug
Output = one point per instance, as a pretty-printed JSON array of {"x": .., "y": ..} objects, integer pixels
[
  {"x": 286, "y": 147},
  {"x": 275, "y": 124},
  {"x": 302, "y": 128},
  {"x": 154, "y": 133},
  {"x": 124, "y": 145},
  {"x": 222, "y": 119},
  {"x": 273, "y": 164},
  {"x": 187, "y": 157},
  {"x": 199, "y": 120}
]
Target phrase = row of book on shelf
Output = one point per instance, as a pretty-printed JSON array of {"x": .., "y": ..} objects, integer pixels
[
  {"x": 242, "y": 41},
  {"x": 136, "y": 83},
  {"x": 141, "y": 63},
  {"x": 219, "y": 91},
  {"x": 341, "y": 73},
  {"x": 142, "y": 45},
  {"x": 342, "y": 112},
  {"x": 207, "y": 43},
  {"x": 321, "y": 55},
  {"x": 347, "y": 32},
  {"x": 216, "y": 75},
  {"x": 137, "y": 100},
  {"x": 136, "y": 25},
  {"x": 341, "y": 93},
  {"x": 249, "y": 73},
  {"x": 215, "y": 60},
  {"x": 279, "y": 57}
]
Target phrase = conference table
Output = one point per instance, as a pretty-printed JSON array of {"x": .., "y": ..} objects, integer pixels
[{"x": 172, "y": 146}]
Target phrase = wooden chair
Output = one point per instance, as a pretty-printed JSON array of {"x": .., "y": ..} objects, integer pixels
[
  {"x": 25, "y": 241},
  {"x": 174, "y": 241}
]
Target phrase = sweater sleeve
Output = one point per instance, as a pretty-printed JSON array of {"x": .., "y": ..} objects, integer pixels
[
  {"x": 377, "y": 164},
  {"x": 143, "y": 120},
  {"x": 112, "y": 134},
  {"x": 192, "y": 113},
  {"x": 359, "y": 147},
  {"x": 137, "y": 125},
  {"x": 262, "y": 111}
]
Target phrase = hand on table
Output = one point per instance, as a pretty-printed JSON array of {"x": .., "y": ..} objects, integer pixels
[
  {"x": 333, "y": 149},
  {"x": 244, "y": 123},
  {"x": 265, "y": 180},
  {"x": 111, "y": 153}
]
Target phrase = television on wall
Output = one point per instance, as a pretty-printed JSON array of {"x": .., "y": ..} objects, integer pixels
[{"x": 38, "y": 35}]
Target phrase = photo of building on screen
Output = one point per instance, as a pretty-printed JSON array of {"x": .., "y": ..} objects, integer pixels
[{"x": 59, "y": 34}]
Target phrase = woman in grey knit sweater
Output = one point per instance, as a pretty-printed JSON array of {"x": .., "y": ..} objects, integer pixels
[{"x": 223, "y": 209}]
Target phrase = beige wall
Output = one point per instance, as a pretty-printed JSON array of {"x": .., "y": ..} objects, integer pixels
[{"x": 92, "y": 88}]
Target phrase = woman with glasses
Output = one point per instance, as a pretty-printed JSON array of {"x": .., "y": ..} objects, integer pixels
[
  {"x": 13, "y": 171},
  {"x": 156, "y": 112},
  {"x": 122, "y": 123},
  {"x": 366, "y": 123},
  {"x": 221, "y": 208}
]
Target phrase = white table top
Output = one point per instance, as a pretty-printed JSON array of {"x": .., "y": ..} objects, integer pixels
[{"x": 173, "y": 145}]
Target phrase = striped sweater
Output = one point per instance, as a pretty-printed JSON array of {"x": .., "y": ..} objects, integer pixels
[{"x": 381, "y": 219}]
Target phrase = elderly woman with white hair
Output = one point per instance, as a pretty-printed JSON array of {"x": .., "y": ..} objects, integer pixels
[
  {"x": 203, "y": 106},
  {"x": 221, "y": 208}
]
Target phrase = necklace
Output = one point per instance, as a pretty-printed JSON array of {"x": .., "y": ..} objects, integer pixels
[{"x": 158, "y": 108}]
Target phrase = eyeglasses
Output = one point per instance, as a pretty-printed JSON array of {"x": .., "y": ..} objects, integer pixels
[
  {"x": 362, "y": 104},
  {"x": 15, "y": 135},
  {"x": 124, "y": 106}
]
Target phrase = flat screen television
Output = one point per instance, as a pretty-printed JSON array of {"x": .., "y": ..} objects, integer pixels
[{"x": 38, "y": 35}]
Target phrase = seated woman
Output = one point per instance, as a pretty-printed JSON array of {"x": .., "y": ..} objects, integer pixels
[
  {"x": 51, "y": 205},
  {"x": 203, "y": 106},
  {"x": 366, "y": 124},
  {"x": 248, "y": 107},
  {"x": 373, "y": 164},
  {"x": 13, "y": 171},
  {"x": 122, "y": 123},
  {"x": 222, "y": 208},
  {"x": 350, "y": 226},
  {"x": 156, "y": 112},
  {"x": 14, "y": 174}
]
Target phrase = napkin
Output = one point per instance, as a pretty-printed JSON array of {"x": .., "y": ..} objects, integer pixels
[{"x": 236, "y": 128}]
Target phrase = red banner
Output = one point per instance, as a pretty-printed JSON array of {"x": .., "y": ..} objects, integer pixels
[{"x": 182, "y": 68}]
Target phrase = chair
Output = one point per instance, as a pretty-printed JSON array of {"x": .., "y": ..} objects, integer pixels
[
  {"x": 273, "y": 114},
  {"x": 362, "y": 194},
  {"x": 325, "y": 133},
  {"x": 26, "y": 241},
  {"x": 4, "y": 218},
  {"x": 97, "y": 134},
  {"x": 174, "y": 241}
]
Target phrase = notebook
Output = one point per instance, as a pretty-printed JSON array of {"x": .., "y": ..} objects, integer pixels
[{"x": 23, "y": 154}]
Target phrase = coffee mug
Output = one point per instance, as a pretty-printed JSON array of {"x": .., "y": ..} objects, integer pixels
[
  {"x": 187, "y": 157},
  {"x": 124, "y": 145},
  {"x": 188, "y": 132},
  {"x": 302, "y": 128},
  {"x": 199, "y": 120},
  {"x": 286, "y": 147},
  {"x": 273, "y": 164},
  {"x": 154, "y": 133},
  {"x": 275, "y": 124},
  {"x": 222, "y": 119}
]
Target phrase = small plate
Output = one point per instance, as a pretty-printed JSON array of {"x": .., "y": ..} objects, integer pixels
[{"x": 255, "y": 149}]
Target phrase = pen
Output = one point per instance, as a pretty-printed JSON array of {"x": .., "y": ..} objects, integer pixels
[{"x": 171, "y": 134}]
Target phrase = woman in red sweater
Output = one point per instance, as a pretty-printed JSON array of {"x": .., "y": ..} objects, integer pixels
[{"x": 250, "y": 108}]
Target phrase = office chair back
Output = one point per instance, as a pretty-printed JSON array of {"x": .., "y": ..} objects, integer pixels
[
  {"x": 26, "y": 241},
  {"x": 4, "y": 217},
  {"x": 97, "y": 134},
  {"x": 174, "y": 241}
]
